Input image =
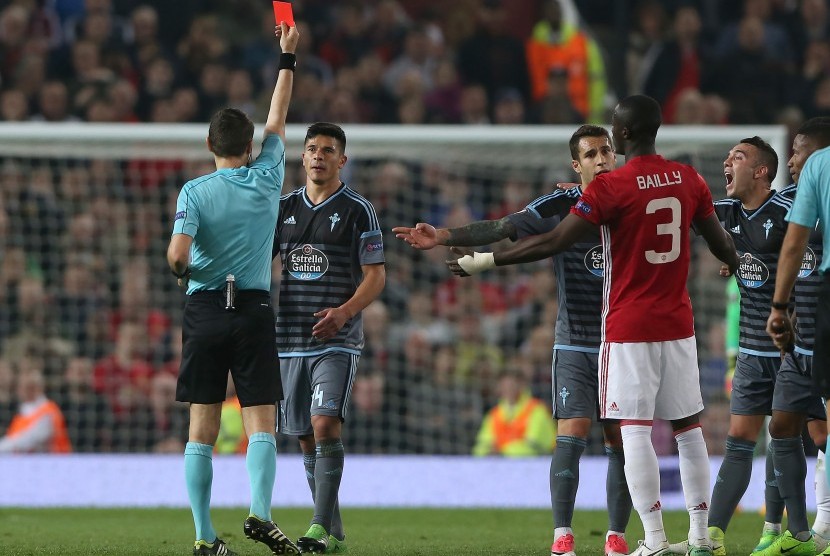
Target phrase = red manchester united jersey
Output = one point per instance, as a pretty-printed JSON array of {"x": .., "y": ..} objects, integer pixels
[{"x": 645, "y": 210}]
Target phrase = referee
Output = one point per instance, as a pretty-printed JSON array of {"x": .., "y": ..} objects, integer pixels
[{"x": 223, "y": 234}]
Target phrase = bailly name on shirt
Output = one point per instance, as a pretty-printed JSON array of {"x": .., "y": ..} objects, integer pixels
[{"x": 659, "y": 180}]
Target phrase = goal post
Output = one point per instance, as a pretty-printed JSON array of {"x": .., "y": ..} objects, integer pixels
[{"x": 85, "y": 217}]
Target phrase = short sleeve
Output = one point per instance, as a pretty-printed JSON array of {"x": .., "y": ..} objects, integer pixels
[
  {"x": 529, "y": 223},
  {"x": 186, "y": 219},
  {"x": 597, "y": 204},
  {"x": 271, "y": 155},
  {"x": 370, "y": 244},
  {"x": 805, "y": 209}
]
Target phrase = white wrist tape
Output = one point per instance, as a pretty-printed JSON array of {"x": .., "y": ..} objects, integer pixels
[{"x": 478, "y": 262}]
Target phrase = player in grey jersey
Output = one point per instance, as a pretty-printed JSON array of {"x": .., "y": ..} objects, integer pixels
[
  {"x": 331, "y": 248},
  {"x": 578, "y": 332}
]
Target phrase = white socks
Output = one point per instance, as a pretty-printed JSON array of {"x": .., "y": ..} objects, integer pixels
[
  {"x": 694, "y": 475},
  {"x": 643, "y": 475},
  {"x": 822, "y": 522}
]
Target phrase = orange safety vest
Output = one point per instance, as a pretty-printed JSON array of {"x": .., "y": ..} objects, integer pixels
[
  {"x": 506, "y": 431},
  {"x": 572, "y": 55},
  {"x": 59, "y": 443}
]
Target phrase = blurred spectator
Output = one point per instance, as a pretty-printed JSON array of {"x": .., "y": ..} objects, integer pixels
[
  {"x": 13, "y": 35},
  {"x": 53, "y": 103},
  {"x": 555, "y": 106},
  {"x": 14, "y": 107},
  {"x": 159, "y": 423},
  {"x": 645, "y": 42},
  {"x": 679, "y": 64},
  {"x": 474, "y": 106},
  {"x": 124, "y": 376},
  {"x": 776, "y": 42},
  {"x": 509, "y": 108},
  {"x": 519, "y": 426},
  {"x": 417, "y": 56},
  {"x": 89, "y": 420},
  {"x": 377, "y": 103},
  {"x": 240, "y": 91},
  {"x": 446, "y": 410},
  {"x": 348, "y": 40},
  {"x": 749, "y": 67},
  {"x": 555, "y": 43},
  {"x": 443, "y": 101},
  {"x": 204, "y": 43},
  {"x": 146, "y": 44},
  {"x": 516, "y": 193},
  {"x": 38, "y": 425},
  {"x": 491, "y": 57}
]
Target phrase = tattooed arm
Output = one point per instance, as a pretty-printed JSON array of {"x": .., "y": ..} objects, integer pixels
[{"x": 483, "y": 232}]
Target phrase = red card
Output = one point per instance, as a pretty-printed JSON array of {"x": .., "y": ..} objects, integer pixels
[{"x": 283, "y": 12}]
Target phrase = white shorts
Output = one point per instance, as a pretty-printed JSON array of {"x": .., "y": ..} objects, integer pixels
[{"x": 649, "y": 380}]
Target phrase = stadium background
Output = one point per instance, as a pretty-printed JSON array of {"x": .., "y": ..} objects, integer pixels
[{"x": 85, "y": 218}]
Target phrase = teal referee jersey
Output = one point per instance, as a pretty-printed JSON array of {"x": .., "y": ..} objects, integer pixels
[
  {"x": 231, "y": 215},
  {"x": 812, "y": 201}
]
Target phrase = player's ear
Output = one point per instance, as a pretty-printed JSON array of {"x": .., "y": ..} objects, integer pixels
[
  {"x": 576, "y": 166},
  {"x": 343, "y": 159},
  {"x": 761, "y": 171}
]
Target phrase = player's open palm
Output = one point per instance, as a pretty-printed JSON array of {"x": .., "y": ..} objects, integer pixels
[{"x": 422, "y": 236}]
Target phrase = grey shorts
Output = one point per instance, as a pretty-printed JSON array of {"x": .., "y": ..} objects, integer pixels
[
  {"x": 316, "y": 385},
  {"x": 575, "y": 384},
  {"x": 753, "y": 384},
  {"x": 794, "y": 390}
]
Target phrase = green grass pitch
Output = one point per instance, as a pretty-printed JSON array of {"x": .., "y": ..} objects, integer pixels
[{"x": 423, "y": 532}]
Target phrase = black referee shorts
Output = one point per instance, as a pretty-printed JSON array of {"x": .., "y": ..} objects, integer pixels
[
  {"x": 821, "y": 352},
  {"x": 242, "y": 341}
]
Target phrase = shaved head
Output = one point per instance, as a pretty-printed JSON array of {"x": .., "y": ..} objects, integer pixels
[
  {"x": 635, "y": 122},
  {"x": 641, "y": 115}
]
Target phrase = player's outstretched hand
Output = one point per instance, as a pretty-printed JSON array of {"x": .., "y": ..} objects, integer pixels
[
  {"x": 422, "y": 236},
  {"x": 288, "y": 36},
  {"x": 470, "y": 262}
]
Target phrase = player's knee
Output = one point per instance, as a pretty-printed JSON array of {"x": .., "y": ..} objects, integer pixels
[
  {"x": 325, "y": 427},
  {"x": 785, "y": 425},
  {"x": 579, "y": 428}
]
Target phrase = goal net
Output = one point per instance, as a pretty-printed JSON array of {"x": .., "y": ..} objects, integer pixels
[{"x": 87, "y": 301}]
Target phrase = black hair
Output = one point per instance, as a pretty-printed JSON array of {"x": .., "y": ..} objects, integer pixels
[
  {"x": 586, "y": 130},
  {"x": 766, "y": 153},
  {"x": 641, "y": 115},
  {"x": 231, "y": 130},
  {"x": 328, "y": 130},
  {"x": 817, "y": 128}
]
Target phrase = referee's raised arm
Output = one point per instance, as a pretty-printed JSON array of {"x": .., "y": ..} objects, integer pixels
[{"x": 285, "y": 80}]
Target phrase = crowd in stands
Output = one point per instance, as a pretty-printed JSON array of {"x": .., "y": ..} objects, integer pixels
[
  {"x": 87, "y": 311},
  {"x": 393, "y": 61}
]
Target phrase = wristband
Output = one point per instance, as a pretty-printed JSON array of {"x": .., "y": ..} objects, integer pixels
[
  {"x": 780, "y": 306},
  {"x": 477, "y": 262},
  {"x": 288, "y": 61}
]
